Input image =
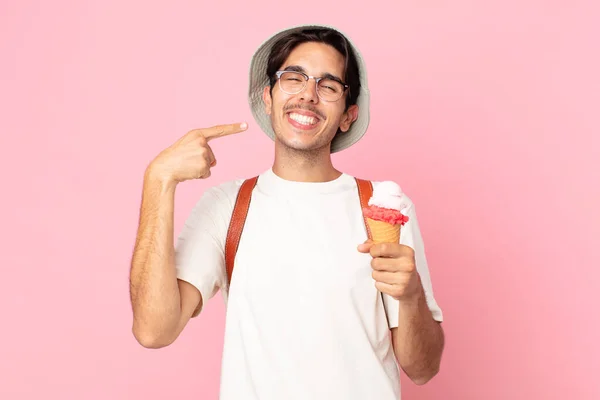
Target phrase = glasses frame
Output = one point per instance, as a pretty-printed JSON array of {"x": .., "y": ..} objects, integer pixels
[{"x": 306, "y": 79}]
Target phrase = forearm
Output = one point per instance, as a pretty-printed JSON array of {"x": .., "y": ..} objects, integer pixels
[
  {"x": 153, "y": 283},
  {"x": 419, "y": 340}
]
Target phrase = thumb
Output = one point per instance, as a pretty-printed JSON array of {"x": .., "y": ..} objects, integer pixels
[{"x": 366, "y": 246}]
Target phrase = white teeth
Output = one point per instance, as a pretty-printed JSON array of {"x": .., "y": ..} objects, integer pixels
[{"x": 303, "y": 119}]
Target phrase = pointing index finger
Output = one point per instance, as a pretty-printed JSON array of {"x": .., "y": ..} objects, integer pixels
[{"x": 224, "y": 130}]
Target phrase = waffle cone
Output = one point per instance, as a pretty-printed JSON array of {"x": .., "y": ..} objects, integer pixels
[{"x": 383, "y": 232}]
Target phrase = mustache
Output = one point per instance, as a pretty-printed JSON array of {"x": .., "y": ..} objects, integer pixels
[{"x": 304, "y": 107}]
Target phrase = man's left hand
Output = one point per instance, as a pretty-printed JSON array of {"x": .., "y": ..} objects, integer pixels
[{"x": 394, "y": 269}]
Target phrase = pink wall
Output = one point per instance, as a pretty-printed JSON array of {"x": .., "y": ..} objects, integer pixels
[{"x": 488, "y": 115}]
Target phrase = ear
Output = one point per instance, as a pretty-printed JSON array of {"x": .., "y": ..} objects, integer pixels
[
  {"x": 349, "y": 117},
  {"x": 267, "y": 99}
]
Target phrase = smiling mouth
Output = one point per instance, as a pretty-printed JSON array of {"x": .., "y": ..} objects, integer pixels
[{"x": 304, "y": 120}]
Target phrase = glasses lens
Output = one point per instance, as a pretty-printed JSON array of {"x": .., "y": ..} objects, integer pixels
[
  {"x": 292, "y": 82},
  {"x": 330, "y": 90}
]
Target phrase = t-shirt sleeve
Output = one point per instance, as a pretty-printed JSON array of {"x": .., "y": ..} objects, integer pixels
[
  {"x": 200, "y": 246},
  {"x": 410, "y": 235}
]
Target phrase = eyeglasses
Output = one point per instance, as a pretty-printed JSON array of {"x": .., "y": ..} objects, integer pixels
[{"x": 328, "y": 89}]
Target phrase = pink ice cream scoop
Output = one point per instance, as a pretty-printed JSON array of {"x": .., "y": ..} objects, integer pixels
[{"x": 386, "y": 204}]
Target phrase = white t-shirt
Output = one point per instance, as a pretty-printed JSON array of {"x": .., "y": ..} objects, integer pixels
[{"x": 304, "y": 319}]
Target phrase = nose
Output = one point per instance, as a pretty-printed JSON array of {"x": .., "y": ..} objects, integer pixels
[{"x": 310, "y": 92}]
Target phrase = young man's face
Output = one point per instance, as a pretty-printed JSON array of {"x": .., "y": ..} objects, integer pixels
[{"x": 303, "y": 121}]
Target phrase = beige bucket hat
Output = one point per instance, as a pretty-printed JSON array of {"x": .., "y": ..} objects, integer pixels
[{"x": 259, "y": 79}]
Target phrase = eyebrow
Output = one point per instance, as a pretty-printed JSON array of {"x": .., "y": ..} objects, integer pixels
[{"x": 327, "y": 75}]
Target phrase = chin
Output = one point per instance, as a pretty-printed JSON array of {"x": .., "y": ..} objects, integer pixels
[
  {"x": 302, "y": 142},
  {"x": 297, "y": 144}
]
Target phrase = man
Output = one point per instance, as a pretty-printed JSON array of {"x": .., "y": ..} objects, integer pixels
[{"x": 314, "y": 309}]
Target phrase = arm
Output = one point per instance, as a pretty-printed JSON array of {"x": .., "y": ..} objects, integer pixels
[
  {"x": 418, "y": 340},
  {"x": 162, "y": 305}
]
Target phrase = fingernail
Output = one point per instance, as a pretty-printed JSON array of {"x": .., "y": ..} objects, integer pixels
[{"x": 244, "y": 125}]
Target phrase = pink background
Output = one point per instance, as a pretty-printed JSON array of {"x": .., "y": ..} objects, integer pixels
[{"x": 488, "y": 116}]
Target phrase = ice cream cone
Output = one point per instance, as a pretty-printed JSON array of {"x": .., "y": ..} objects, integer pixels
[
  {"x": 386, "y": 213},
  {"x": 384, "y": 232}
]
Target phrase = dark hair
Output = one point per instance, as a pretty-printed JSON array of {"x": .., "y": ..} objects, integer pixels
[{"x": 284, "y": 46}]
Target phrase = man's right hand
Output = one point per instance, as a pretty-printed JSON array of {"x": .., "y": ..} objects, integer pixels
[{"x": 191, "y": 157}]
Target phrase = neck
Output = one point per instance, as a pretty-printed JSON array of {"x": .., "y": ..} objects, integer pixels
[{"x": 304, "y": 166}]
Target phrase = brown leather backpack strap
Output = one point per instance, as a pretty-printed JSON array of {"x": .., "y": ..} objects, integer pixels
[
  {"x": 236, "y": 225},
  {"x": 365, "y": 191}
]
